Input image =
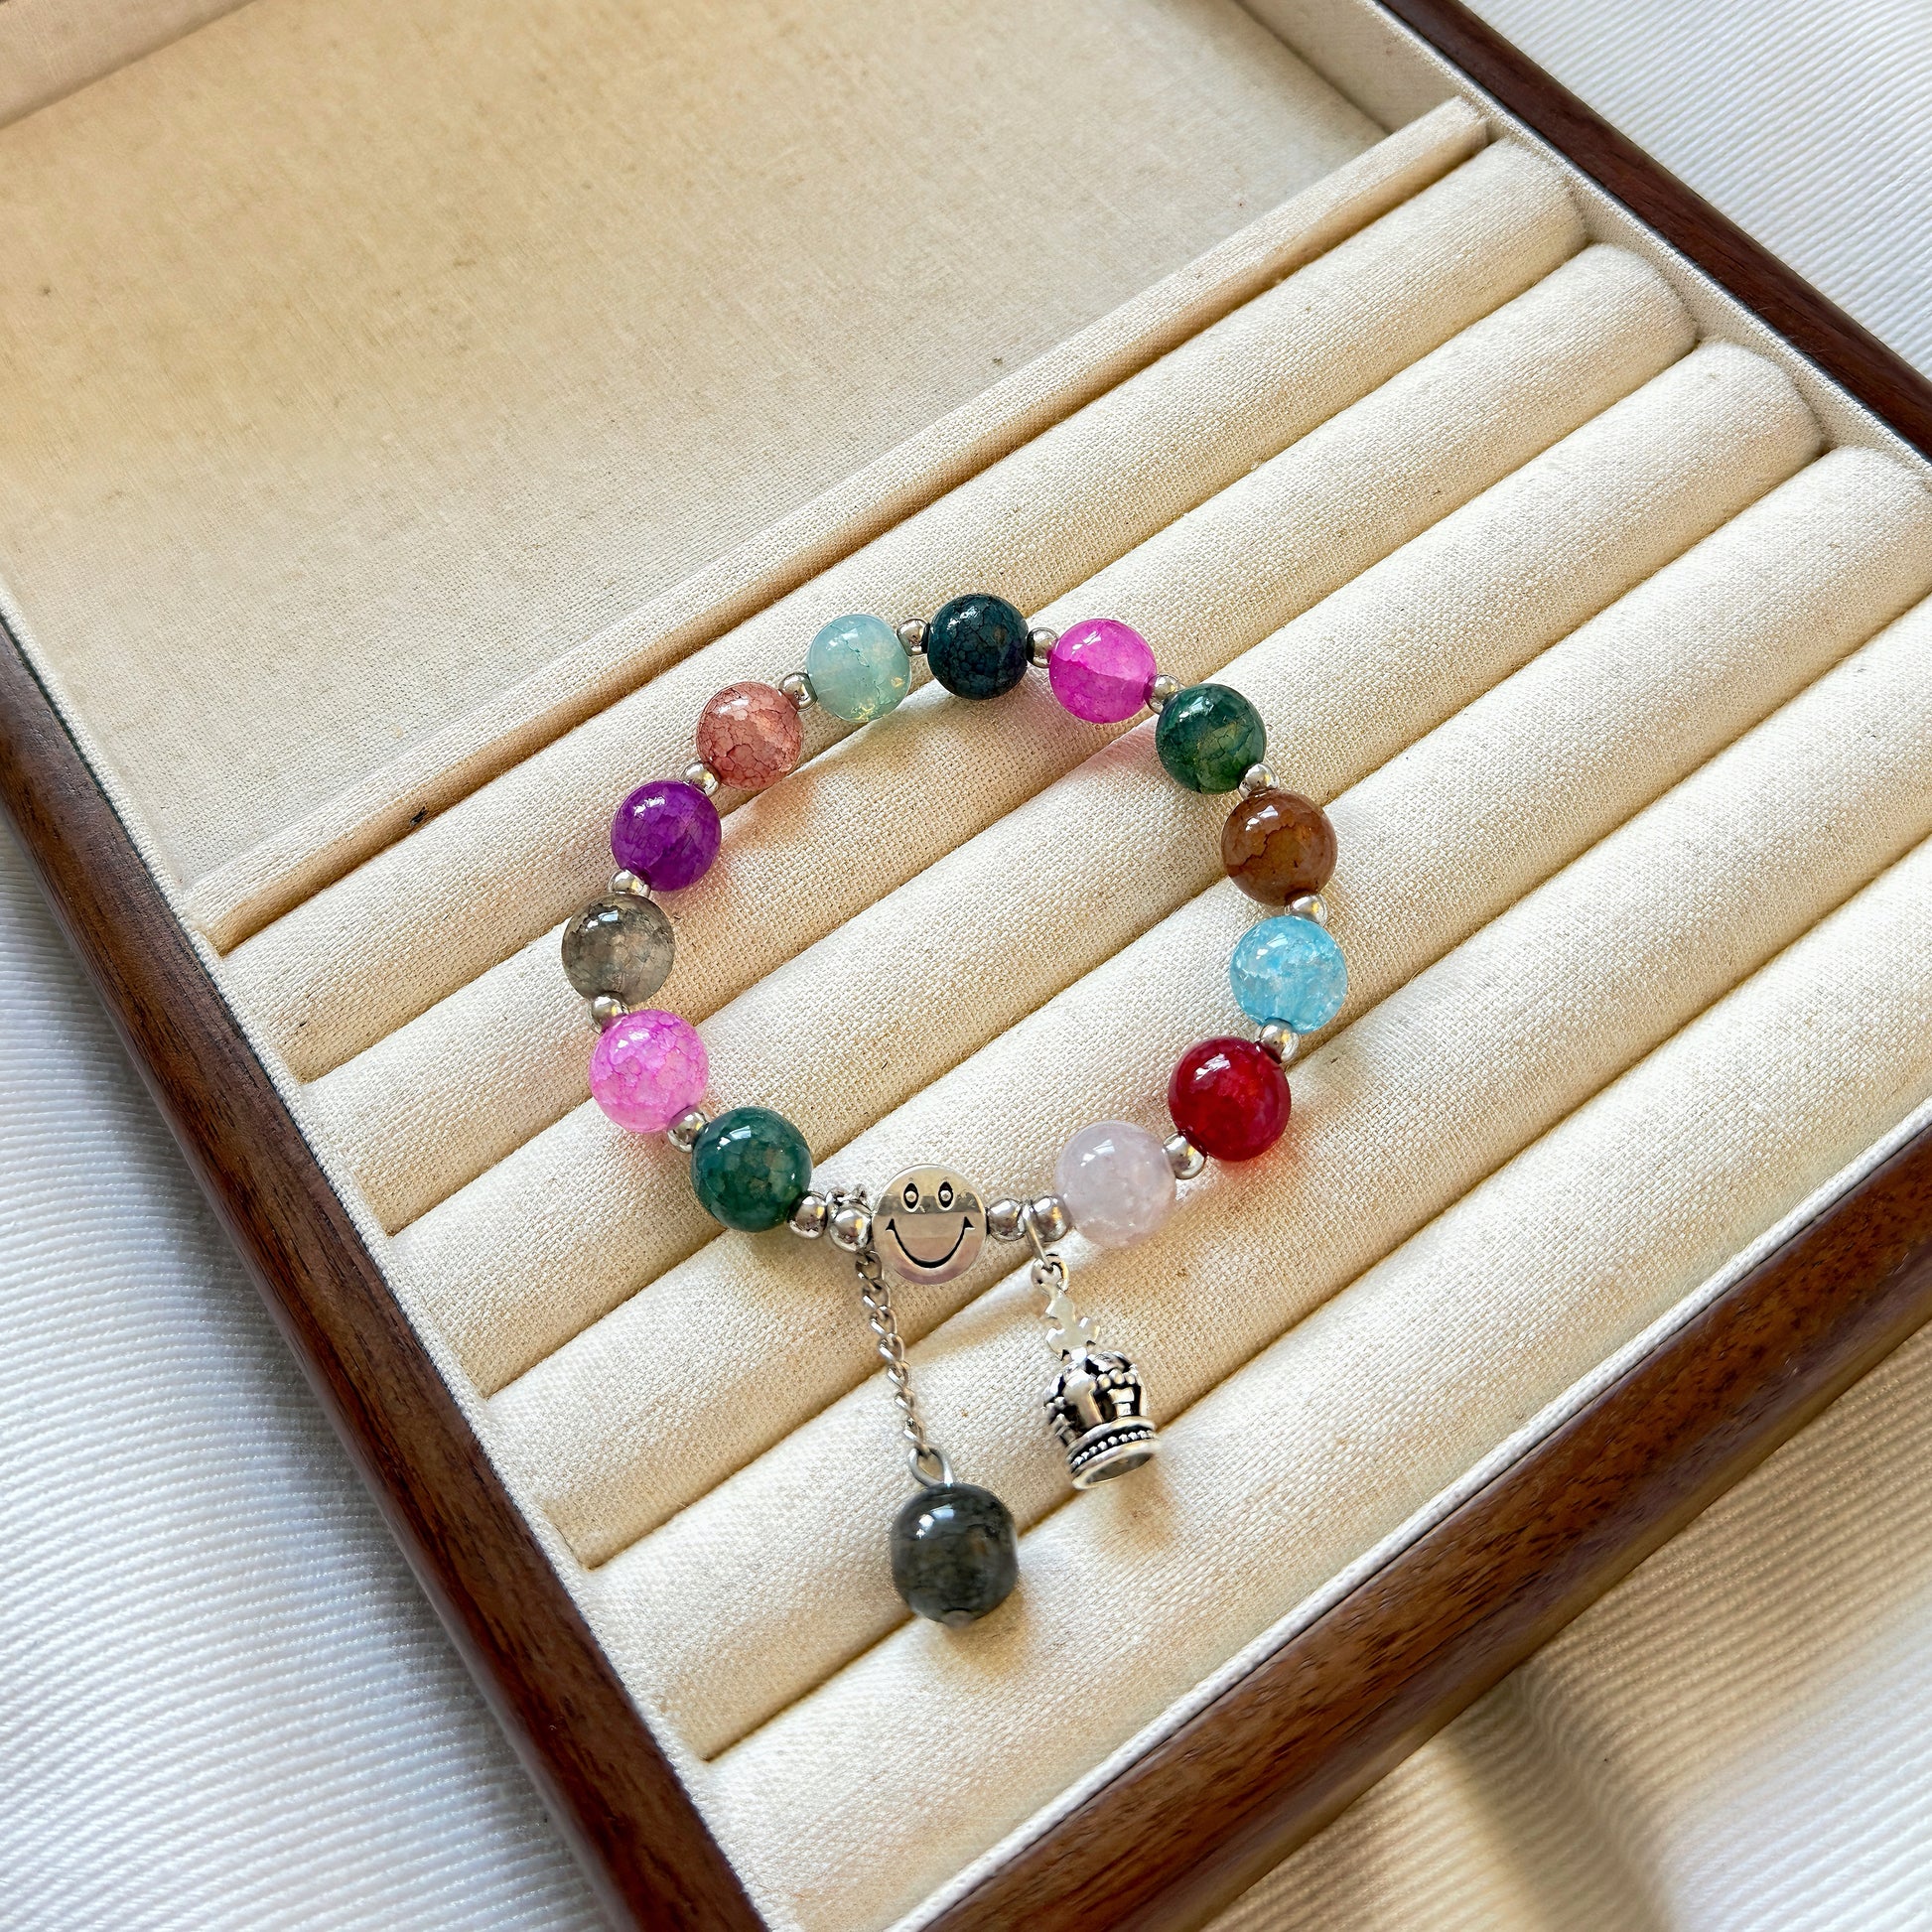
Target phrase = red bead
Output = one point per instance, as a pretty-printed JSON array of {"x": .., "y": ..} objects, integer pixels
[{"x": 1229, "y": 1098}]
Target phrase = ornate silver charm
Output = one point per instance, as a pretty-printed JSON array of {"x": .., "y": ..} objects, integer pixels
[
  {"x": 1097, "y": 1406},
  {"x": 928, "y": 1224}
]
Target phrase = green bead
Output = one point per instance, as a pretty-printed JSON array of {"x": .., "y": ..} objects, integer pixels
[
  {"x": 859, "y": 668},
  {"x": 749, "y": 1169},
  {"x": 978, "y": 645},
  {"x": 1209, "y": 736}
]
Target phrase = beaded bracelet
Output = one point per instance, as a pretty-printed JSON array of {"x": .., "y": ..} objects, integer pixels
[{"x": 954, "y": 1553}]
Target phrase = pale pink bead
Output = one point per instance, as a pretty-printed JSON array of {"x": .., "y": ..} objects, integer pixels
[
  {"x": 647, "y": 1068},
  {"x": 749, "y": 735},
  {"x": 1100, "y": 670},
  {"x": 1116, "y": 1183}
]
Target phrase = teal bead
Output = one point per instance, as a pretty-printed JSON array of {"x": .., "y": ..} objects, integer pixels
[
  {"x": 978, "y": 645},
  {"x": 1209, "y": 736},
  {"x": 1289, "y": 970},
  {"x": 859, "y": 668},
  {"x": 749, "y": 1169}
]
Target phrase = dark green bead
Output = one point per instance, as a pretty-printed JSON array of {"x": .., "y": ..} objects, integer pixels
[
  {"x": 954, "y": 1553},
  {"x": 1209, "y": 736},
  {"x": 977, "y": 645},
  {"x": 749, "y": 1167}
]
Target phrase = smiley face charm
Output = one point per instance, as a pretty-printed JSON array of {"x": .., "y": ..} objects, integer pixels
[{"x": 929, "y": 1225}]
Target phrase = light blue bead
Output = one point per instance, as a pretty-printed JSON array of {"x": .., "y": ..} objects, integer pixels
[
  {"x": 859, "y": 668},
  {"x": 1289, "y": 970}
]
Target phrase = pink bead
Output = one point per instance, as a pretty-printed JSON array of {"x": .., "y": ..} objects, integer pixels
[
  {"x": 749, "y": 735},
  {"x": 1100, "y": 670},
  {"x": 648, "y": 1068}
]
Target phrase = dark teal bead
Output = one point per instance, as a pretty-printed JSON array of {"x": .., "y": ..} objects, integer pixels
[
  {"x": 954, "y": 1553},
  {"x": 749, "y": 1167},
  {"x": 978, "y": 646},
  {"x": 1209, "y": 736}
]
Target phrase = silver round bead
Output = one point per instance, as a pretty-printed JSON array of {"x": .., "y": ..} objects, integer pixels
[
  {"x": 1279, "y": 1043},
  {"x": 1050, "y": 1218},
  {"x": 684, "y": 1131},
  {"x": 799, "y": 688},
  {"x": 1258, "y": 777},
  {"x": 606, "y": 1009},
  {"x": 628, "y": 882},
  {"x": 811, "y": 1217},
  {"x": 1311, "y": 906},
  {"x": 1161, "y": 692},
  {"x": 1005, "y": 1220},
  {"x": 912, "y": 635},
  {"x": 1040, "y": 645},
  {"x": 1184, "y": 1159},
  {"x": 699, "y": 773},
  {"x": 852, "y": 1229}
]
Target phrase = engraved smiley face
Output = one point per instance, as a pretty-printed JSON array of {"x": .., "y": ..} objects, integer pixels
[{"x": 930, "y": 1224}]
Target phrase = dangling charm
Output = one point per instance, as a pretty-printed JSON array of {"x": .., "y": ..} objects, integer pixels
[
  {"x": 1096, "y": 1404},
  {"x": 955, "y": 1552}
]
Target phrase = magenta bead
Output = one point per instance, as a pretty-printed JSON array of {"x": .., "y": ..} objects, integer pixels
[
  {"x": 1100, "y": 670},
  {"x": 667, "y": 833},
  {"x": 647, "y": 1068}
]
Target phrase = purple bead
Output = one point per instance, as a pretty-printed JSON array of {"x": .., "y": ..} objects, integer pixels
[
  {"x": 667, "y": 833},
  {"x": 1100, "y": 670},
  {"x": 646, "y": 1069}
]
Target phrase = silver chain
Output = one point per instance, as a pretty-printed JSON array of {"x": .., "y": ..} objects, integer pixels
[{"x": 928, "y": 1464}]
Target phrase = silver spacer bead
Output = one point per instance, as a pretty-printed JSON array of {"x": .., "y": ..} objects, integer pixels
[
  {"x": 1258, "y": 777},
  {"x": 1161, "y": 692},
  {"x": 628, "y": 882},
  {"x": 799, "y": 688},
  {"x": 1279, "y": 1043},
  {"x": 699, "y": 773},
  {"x": 1005, "y": 1220},
  {"x": 684, "y": 1131},
  {"x": 852, "y": 1229},
  {"x": 1050, "y": 1218},
  {"x": 606, "y": 1009},
  {"x": 1040, "y": 645},
  {"x": 1184, "y": 1159},
  {"x": 811, "y": 1216},
  {"x": 912, "y": 635},
  {"x": 1311, "y": 906}
]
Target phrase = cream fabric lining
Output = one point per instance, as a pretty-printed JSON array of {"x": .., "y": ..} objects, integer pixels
[{"x": 1545, "y": 600}]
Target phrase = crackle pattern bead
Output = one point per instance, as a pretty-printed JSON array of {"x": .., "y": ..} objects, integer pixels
[
  {"x": 1100, "y": 670},
  {"x": 749, "y": 1168},
  {"x": 749, "y": 735},
  {"x": 859, "y": 668},
  {"x": 1207, "y": 738},
  {"x": 1278, "y": 845},
  {"x": 1229, "y": 1098},
  {"x": 978, "y": 646},
  {"x": 622, "y": 945},
  {"x": 955, "y": 1555},
  {"x": 647, "y": 1068},
  {"x": 1116, "y": 1181},
  {"x": 1289, "y": 970},
  {"x": 667, "y": 833}
]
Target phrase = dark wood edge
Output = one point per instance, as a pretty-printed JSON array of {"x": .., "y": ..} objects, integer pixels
[
  {"x": 1206, "y": 1813},
  {"x": 1169, "y": 1840},
  {"x": 1846, "y": 351},
  {"x": 580, "y": 1736}
]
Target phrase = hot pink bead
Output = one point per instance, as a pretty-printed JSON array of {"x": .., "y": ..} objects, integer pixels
[
  {"x": 1100, "y": 670},
  {"x": 749, "y": 735},
  {"x": 648, "y": 1068}
]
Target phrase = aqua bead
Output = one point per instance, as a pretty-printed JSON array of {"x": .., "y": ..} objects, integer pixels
[
  {"x": 859, "y": 668},
  {"x": 1290, "y": 971},
  {"x": 1209, "y": 736},
  {"x": 749, "y": 1169}
]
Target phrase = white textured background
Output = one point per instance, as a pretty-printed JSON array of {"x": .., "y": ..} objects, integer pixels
[{"x": 222, "y": 1704}]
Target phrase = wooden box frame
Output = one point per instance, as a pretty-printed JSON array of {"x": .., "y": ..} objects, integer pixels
[{"x": 1173, "y": 1837}]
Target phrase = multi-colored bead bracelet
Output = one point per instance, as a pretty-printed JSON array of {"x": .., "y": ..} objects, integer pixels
[{"x": 954, "y": 1553}]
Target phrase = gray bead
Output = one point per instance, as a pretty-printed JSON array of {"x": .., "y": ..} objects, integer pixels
[
  {"x": 1005, "y": 1220},
  {"x": 1052, "y": 1219},
  {"x": 622, "y": 945},
  {"x": 954, "y": 1553}
]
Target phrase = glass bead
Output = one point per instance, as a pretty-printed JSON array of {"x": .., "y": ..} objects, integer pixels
[
  {"x": 749, "y": 1168},
  {"x": 1229, "y": 1098},
  {"x": 749, "y": 735},
  {"x": 1278, "y": 845},
  {"x": 978, "y": 645},
  {"x": 954, "y": 1553},
  {"x": 1100, "y": 670},
  {"x": 667, "y": 833},
  {"x": 1116, "y": 1181},
  {"x": 648, "y": 1068},
  {"x": 859, "y": 668},
  {"x": 622, "y": 945},
  {"x": 1209, "y": 736},
  {"x": 1290, "y": 970}
]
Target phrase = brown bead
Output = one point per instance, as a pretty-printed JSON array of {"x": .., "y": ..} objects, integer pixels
[{"x": 1278, "y": 845}]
